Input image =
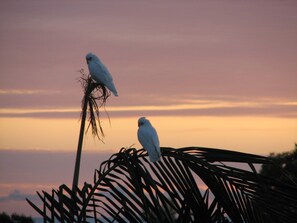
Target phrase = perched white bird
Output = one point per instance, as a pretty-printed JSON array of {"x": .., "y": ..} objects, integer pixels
[
  {"x": 99, "y": 73},
  {"x": 148, "y": 138}
]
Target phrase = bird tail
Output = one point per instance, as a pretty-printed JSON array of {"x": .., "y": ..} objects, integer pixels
[
  {"x": 155, "y": 155},
  {"x": 112, "y": 88}
]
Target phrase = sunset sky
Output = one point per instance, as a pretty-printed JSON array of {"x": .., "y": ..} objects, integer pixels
[{"x": 206, "y": 73}]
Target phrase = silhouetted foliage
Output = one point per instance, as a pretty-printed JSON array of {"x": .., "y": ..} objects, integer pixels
[
  {"x": 95, "y": 97},
  {"x": 15, "y": 218},
  {"x": 5, "y": 218},
  {"x": 196, "y": 184},
  {"x": 285, "y": 168}
]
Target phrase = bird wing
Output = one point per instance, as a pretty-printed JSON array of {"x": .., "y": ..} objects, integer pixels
[
  {"x": 155, "y": 137},
  {"x": 105, "y": 75},
  {"x": 101, "y": 75}
]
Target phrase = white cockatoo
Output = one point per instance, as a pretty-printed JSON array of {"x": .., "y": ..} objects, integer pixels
[
  {"x": 99, "y": 73},
  {"x": 148, "y": 138}
]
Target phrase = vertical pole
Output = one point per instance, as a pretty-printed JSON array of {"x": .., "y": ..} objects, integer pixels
[{"x": 80, "y": 140}]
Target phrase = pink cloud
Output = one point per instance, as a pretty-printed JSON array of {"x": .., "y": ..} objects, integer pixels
[{"x": 193, "y": 48}]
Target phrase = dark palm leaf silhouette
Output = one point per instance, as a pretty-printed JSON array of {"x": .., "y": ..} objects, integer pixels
[{"x": 191, "y": 184}]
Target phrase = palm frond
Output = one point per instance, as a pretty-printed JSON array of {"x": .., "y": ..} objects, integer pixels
[{"x": 192, "y": 184}]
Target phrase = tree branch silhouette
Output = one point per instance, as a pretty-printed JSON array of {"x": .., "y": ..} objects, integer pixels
[{"x": 95, "y": 97}]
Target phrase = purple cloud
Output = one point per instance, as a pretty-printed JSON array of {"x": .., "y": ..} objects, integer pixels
[{"x": 17, "y": 195}]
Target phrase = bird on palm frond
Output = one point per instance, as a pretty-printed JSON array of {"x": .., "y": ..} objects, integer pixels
[{"x": 148, "y": 138}]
